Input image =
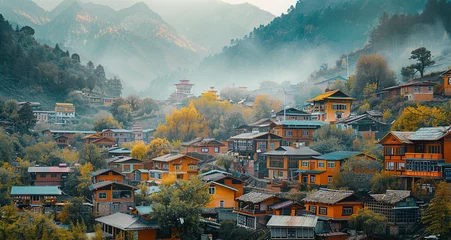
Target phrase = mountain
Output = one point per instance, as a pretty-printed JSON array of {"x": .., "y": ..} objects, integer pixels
[{"x": 24, "y": 12}]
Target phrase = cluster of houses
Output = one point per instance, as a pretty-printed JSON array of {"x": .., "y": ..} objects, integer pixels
[{"x": 62, "y": 113}]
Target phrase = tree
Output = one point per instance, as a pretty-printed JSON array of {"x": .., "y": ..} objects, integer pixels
[
  {"x": 356, "y": 174},
  {"x": 124, "y": 114},
  {"x": 158, "y": 147},
  {"x": 90, "y": 66},
  {"x": 27, "y": 30},
  {"x": 179, "y": 206},
  {"x": 106, "y": 123},
  {"x": 147, "y": 106},
  {"x": 264, "y": 105},
  {"x": 413, "y": 118},
  {"x": 225, "y": 160},
  {"x": 382, "y": 182},
  {"x": 139, "y": 151},
  {"x": 373, "y": 69},
  {"x": 76, "y": 58},
  {"x": 91, "y": 82},
  {"x": 99, "y": 72},
  {"x": 91, "y": 154},
  {"x": 387, "y": 115},
  {"x": 229, "y": 230},
  {"x": 369, "y": 222},
  {"x": 423, "y": 58},
  {"x": 134, "y": 102},
  {"x": 437, "y": 216},
  {"x": 329, "y": 138},
  {"x": 98, "y": 232},
  {"x": 76, "y": 212},
  {"x": 43, "y": 153},
  {"x": 6, "y": 148},
  {"x": 26, "y": 118}
]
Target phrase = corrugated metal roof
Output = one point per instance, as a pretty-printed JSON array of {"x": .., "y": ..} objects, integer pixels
[
  {"x": 49, "y": 169},
  {"x": 338, "y": 155},
  {"x": 35, "y": 190},
  {"x": 290, "y": 151},
  {"x": 302, "y": 123},
  {"x": 430, "y": 133},
  {"x": 255, "y": 197},
  {"x": 308, "y": 221},
  {"x": 126, "y": 222},
  {"x": 106, "y": 183}
]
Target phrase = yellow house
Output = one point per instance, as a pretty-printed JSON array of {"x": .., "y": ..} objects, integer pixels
[
  {"x": 330, "y": 106},
  {"x": 180, "y": 165},
  {"x": 223, "y": 189}
]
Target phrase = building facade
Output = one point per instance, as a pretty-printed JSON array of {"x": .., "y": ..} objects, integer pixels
[
  {"x": 330, "y": 106},
  {"x": 50, "y": 176},
  {"x": 39, "y": 199},
  {"x": 207, "y": 146}
]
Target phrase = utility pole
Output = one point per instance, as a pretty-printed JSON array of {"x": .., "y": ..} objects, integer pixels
[
  {"x": 284, "y": 105},
  {"x": 347, "y": 65}
]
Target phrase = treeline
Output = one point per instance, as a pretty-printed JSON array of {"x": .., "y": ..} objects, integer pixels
[{"x": 30, "y": 63}]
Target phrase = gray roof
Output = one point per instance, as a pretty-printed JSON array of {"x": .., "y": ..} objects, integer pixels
[
  {"x": 291, "y": 151},
  {"x": 70, "y": 131},
  {"x": 328, "y": 196},
  {"x": 125, "y": 222},
  {"x": 430, "y": 133},
  {"x": 106, "y": 183},
  {"x": 255, "y": 197},
  {"x": 49, "y": 169},
  {"x": 403, "y": 136},
  {"x": 214, "y": 177},
  {"x": 102, "y": 171},
  {"x": 391, "y": 196},
  {"x": 168, "y": 157},
  {"x": 118, "y": 130},
  {"x": 253, "y": 135},
  {"x": 307, "y": 221}
]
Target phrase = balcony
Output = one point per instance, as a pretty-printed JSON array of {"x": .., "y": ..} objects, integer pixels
[
  {"x": 251, "y": 211},
  {"x": 422, "y": 174},
  {"x": 424, "y": 155}
]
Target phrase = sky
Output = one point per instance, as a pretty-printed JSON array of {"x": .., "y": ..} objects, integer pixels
[{"x": 276, "y": 7}]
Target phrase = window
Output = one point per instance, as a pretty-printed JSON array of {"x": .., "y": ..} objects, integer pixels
[
  {"x": 292, "y": 232},
  {"x": 204, "y": 150},
  {"x": 429, "y": 89},
  {"x": 221, "y": 203},
  {"x": 289, "y": 133},
  {"x": 305, "y": 133},
  {"x": 323, "y": 210},
  {"x": 320, "y": 164},
  {"x": 216, "y": 149},
  {"x": 43, "y": 175},
  {"x": 339, "y": 106},
  {"x": 178, "y": 167},
  {"x": 211, "y": 190},
  {"x": 330, "y": 164},
  {"x": 401, "y": 166},
  {"x": 271, "y": 145},
  {"x": 116, "y": 207},
  {"x": 305, "y": 163},
  {"x": 35, "y": 198},
  {"x": 53, "y": 175},
  {"x": 276, "y": 162},
  {"x": 102, "y": 195},
  {"x": 261, "y": 145},
  {"x": 416, "y": 89},
  {"x": 116, "y": 194},
  {"x": 434, "y": 149},
  {"x": 330, "y": 179},
  {"x": 347, "y": 211},
  {"x": 312, "y": 179},
  {"x": 280, "y": 174},
  {"x": 390, "y": 166},
  {"x": 192, "y": 167},
  {"x": 293, "y": 162},
  {"x": 312, "y": 209}
]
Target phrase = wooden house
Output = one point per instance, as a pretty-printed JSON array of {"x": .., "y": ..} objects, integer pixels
[
  {"x": 125, "y": 165},
  {"x": 50, "y": 176},
  {"x": 180, "y": 165},
  {"x": 330, "y": 106},
  {"x": 411, "y": 91},
  {"x": 207, "y": 146},
  {"x": 254, "y": 209},
  {"x": 293, "y": 114},
  {"x": 99, "y": 140},
  {"x": 368, "y": 125},
  {"x": 223, "y": 189},
  {"x": 294, "y": 132},
  {"x": 39, "y": 199}
]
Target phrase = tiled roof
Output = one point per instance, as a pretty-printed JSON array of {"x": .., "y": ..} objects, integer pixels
[
  {"x": 169, "y": 157},
  {"x": 282, "y": 205},
  {"x": 214, "y": 171},
  {"x": 35, "y": 190},
  {"x": 49, "y": 169},
  {"x": 328, "y": 196},
  {"x": 71, "y": 132},
  {"x": 330, "y": 94},
  {"x": 403, "y": 136},
  {"x": 350, "y": 120},
  {"x": 102, "y": 171},
  {"x": 255, "y": 197},
  {"x": 308, "y": 221},
  {"x": 302, "y": 123},
  {"x": 126, "y": 222},
  {"x": 106, "y": 183},
  {"x": 411, "y": 83},
  {"x": 118, "y": 130},
  {"x": 214, "y": 177},
  {"x": 253, "y": 135},
  {"x": 290, "y": 151},
  {"x": 203, "y": 142},
  {"x": 430, "y": 133},
  {"x": 391, "y": 196},
  {"x": 338, "y": 155}
]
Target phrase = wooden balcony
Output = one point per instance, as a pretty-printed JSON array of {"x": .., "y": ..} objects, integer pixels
[
  {"x": 425, "y": 156},
  {"x": 422, "y": 174}
]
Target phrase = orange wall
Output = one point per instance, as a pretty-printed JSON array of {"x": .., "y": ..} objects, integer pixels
[
  {"x": 109, "y": 177},
  {"x": 335, "y": 211},
  {"x": 331, "y": 113},
  {"x": 447, "y": 86},
  {"x": 211, "y": 150},
  {"x": 239, "y": 187},
  {"x": 222, "y": 193},
  {"x": 322, "y": 178},
  {"x": 447, "y": 149},
  {"x": 184, "y": 163},
  {"x": 297, "y": 134}
]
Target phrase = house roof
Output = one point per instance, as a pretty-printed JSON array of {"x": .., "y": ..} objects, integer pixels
[
  {"x": 338, "y": 155},
  {"x": 307, "y": 221},
  {"x": 119, "y": 150},
  {"x": 291, "y": 151},
  {"x": 282, "y": 204},
  {"x": 292, "y": 112},
  {"x": 430, "y": 133},
  {"x": 328, "y": 196},
  {"x": 49, "y": 169},
  {"x": 144, "y": 210},
  {"x": 70, "y": 132},
  {"x": 214, "y": 171},
  {"x": 203, "y": 142},
  {"x": 306, "y": 124},
  {"x": 336, "y": 94},
  {"x": 353, "y": 119},
  {"x": 126, "y": 222},
  {"x": 102, "y": 171},
  {"x": 107, "y": 183},
  {"x": 264, "y": 122},
  {"x": 172, "y": 157},
  {"x": 253, "y": 135},
  {"x": 36, "y": 190},
  {"x": 391, "y": 196},
  {"x": 121, "y": 159},
  {"x": 310, "y": 171},
  {"x": 92, "y": 136},
  {"x": 118, "y": 130},
  {"x": 411, "y": 83},
  {"x": 401, "y": 136},
  {"x": 214, "y": 177},
  {"x": 255, "y": 197},
  {"x": 225, "y": 186}
]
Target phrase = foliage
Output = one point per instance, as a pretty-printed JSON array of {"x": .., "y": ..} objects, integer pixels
[
  {"x": 91, "y": 154},
  {"x": 6, "y": 148},
  {"x": 369, "y": 222},
  {"x": 437, "y": 216},
  {"x": 413, "y": 118},
  {"x": 225, "y": 160},
  {"x": 41, "y": 152},
  {"x": 158, "y": 147},
  {"x": 356, "y": 174},
  {"x": 179, "y": 206},
  {"x": 124, "y": 114},
  {"x": 264, "y": 105},
  {"x": 139, "y": 151},
  {"x": 229, "y": 230},
  {"x": 106, "y": 123},
  {"x": 234, "y": 94},
  {"x": 387, "y": 115},
  {"x": 382, "y": 182},
  {"x": 98, "y": 232},
  {"x": 77, "y": 212},
  {"x": 329, "y": 138},
  {"x": 423, "y": 58}
]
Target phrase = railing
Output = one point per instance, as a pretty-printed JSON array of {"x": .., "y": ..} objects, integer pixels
[
  {"x": 253, "y": 211},
  {"x": 424, "y": 155},
  {"x": 422, "y": 174}
]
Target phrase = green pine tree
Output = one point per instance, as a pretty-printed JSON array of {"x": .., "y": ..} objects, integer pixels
[{"x": 437, "y": 216}]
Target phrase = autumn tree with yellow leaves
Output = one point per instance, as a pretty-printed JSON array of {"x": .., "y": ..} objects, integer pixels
[
  {"x": 158, "y": 147},
  {"x": 413, "y": 118},
  {"x": 139, "y": 151},
  {"x": 214, "y": 110},
  {"x": 264, "y": 105}
]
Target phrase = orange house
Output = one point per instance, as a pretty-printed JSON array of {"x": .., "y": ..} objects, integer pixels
[
  {"x": 283, "y": 162},
  {"x": 335, "y": 205},
  {"x": 294, "y": 132},
  {"x": 180, "y": 165},
  {"x": 254, "y": 208},
  {"x": 50, "y": 176},
  {"x": 321, "y": 169},
  {"x": 425, "y": 153},
  {"x": 446, "y": 83},
  {"x": 412, "y": 91},
  {"x": 99, "y": 140},
  {"x": 125, "y": 165},
  {"x": 223, "y": 189},
  {"x": 330, "y": 106},
  {"x": 201, "y": 145}
]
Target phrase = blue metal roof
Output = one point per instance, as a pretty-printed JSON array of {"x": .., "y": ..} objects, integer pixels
[
  {"x": 309, "y": 171},
  {"x": 338, "y": 155},
  {"x": 35, "y": 190},
  {"x": 302, "y": 123}
]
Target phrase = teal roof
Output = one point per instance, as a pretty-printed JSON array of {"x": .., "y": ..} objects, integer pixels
[
  {"x": 120, "y": 150},
  {"x": 35, "y": 190},
  {"x": 338, "y": 155},
  {"x": 144, "y": 210},
  {"x": 310, "y": 171},
  {"x": 302, "y": 123}
]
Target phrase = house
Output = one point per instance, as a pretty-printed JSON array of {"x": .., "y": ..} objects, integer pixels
[
  {"x": 411, "y": 91},
  {"x": 250, "y": 149},
  {"x": 50, "y": 176},
  {"x": 330, "y": 106},
  {"x": 294, "y": 132},
  {"x": 262, "y": 125},
  {"x": 182, "y": 91},
  {"x": 425, "y": 153},
  {"x": 283, "y": 162},
  {"x": 44, "y": 116},
  {"x": 223, "y": 189},
  {"x": 148, "y": 135},
  {"x": 62, "y": 141},
  {"x": 35, "y": 106},
  {"x": 209, "y": 146},
  {"x": 99, "y": 140},
  {"x": 368, "y": 125},
  {"x": 321, "y": 169},
  {"x": 56, "y": 134},
  {"x": 39, "y": 199},
  {"x": 110, "y": 197},
  {"x": 293, "y": 114},
  {"x": 254, "y": 209},
  {"x": 180, "y": 165},
  {"x": 399, "y": 207},
  {"x": 103, "y": 175},
  {"x": 335, "y": 205},
  {"x": 120, "y": 135},
  {"x": 125, "y": 165},
  {"x": 292, "y": 227},
  {"x": 117, "y": 151},
  {"x": 107, "y": 101},
  {"x": 446, "y": 87},
  {"x": 64, "y": 112}
]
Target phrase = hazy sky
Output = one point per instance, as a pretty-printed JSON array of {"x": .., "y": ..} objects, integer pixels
[{"x": 276, "y": 7}]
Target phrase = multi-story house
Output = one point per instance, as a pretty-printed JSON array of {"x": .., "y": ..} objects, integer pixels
[
  {"x": 50, "y": 176},
  {"x": 399, "y": 207},
  {"x": 368, "y": 125},
  {"x": 182, "y": 91},
  {"x": 44, "y": 116},
  {"x": 121, "y": 135},
  {"x": 411, "y": 91},
  {"x": 180, "y": 165},
  {"x": 320, "y": 170},
  {"x": 283, "y": 162},
  {"x": 223, "y": 189},
  {"x": 64, "y": 112},
  {"x": 39, "y": 199},
  {"x": 294, "y": 132},
  {"x": 35, "y": 106},
  {"x": 110, "y": 194},
  {"x": 293, "y": 114},
  {"x": 250, "y": 149},
  {"x": 207, "y": 146},
  {"x": 67, "y": 134},
  {"x": 446, "y": 86},
  {"x": 117, "y": 151},
  {"x": 330, "y": 106},
  {"x": 335, "y": 205},
  {"x": 99, "y": 140},
  {"x": 254, "y": 208},
  {"x": 125, "y": 165},
  {"x": 425, "y": 153}
]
